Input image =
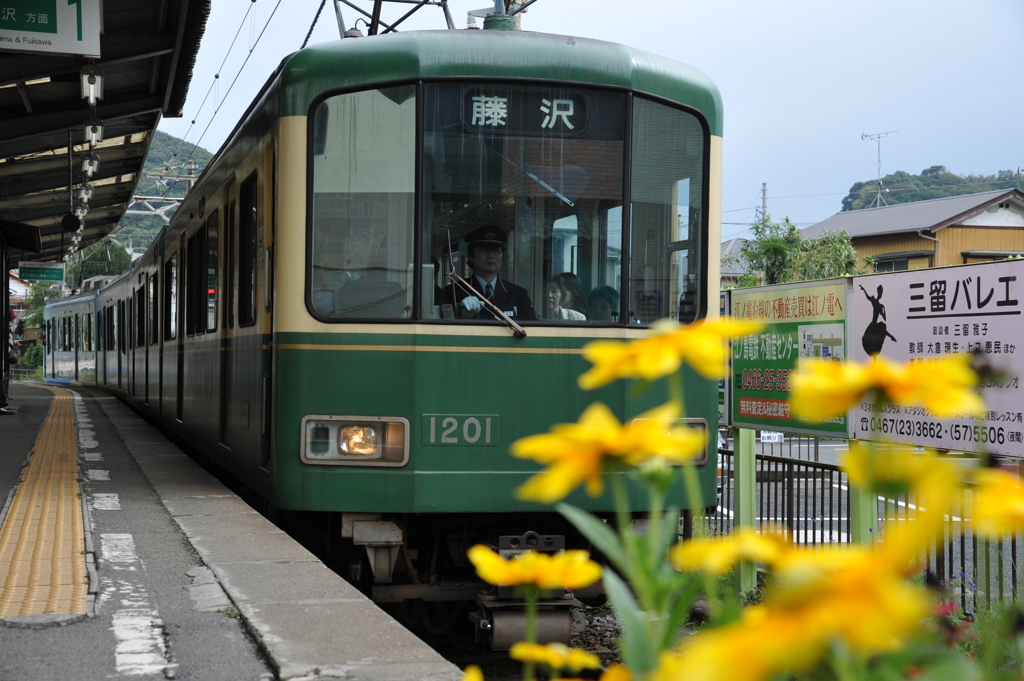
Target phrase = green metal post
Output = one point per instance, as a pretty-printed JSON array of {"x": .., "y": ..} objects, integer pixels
[
  {"x": 863, "y": 515},
  {"x": 745, "y": 476}
]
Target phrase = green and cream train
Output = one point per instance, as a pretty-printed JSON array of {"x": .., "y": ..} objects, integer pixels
[{"x": 297, "y": 322}]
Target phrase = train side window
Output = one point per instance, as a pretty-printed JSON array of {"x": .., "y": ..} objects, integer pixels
[
  {"x": 111, "y": 339},
  {"x": 87, "y": 332},
  {"x": 121, "y": 345},
  {"x": 188, "y": 302},
  {"x": 667, "y": 246},
  {"x": 171, "y": 297},
  {"x": 140, "y": 316},
  {"x": 229, "y": 269},
  {"x": 247, "y": 247},
  {"x": 197, "y": 297},
  {"x": 153, "y": 308},
  {"x": 210, "y": 282},
  {"x": 362, "y": 222}
]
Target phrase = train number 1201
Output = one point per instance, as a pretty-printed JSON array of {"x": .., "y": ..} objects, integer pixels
[{"x": 474, "y": 430}]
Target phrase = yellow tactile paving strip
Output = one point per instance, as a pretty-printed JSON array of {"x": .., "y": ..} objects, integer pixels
[{"x": 42, "y": 541}]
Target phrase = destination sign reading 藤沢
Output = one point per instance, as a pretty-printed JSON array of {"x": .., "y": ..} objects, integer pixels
[{"x": 506, "y": 110}]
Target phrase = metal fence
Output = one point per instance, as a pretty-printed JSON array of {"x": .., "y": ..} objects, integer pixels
[{"x": 810, "y": 501}]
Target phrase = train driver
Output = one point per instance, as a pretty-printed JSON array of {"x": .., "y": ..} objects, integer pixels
[{"x": 486, "y": 250}]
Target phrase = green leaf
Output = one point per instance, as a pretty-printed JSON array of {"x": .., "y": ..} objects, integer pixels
[
  {"x": 636, "y": 651},
  {"x": 669, "y": 529},
  {"x": 684, "y": 604},
  {"x": 600, "y": 534}
]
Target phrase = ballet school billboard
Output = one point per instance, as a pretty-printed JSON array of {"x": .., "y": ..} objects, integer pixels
[
  {"x": 801, "y": 320},
  {"x": 922, "y": 314}
]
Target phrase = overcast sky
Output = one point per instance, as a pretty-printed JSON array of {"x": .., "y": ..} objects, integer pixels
[{"x": 801, "y": 81}]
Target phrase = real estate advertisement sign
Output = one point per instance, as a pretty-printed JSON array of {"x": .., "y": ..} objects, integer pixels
[
  {"x": 801, "y": 320},
  {"x": 67, "y": 27},
  {"x": 921, "y": 314}
]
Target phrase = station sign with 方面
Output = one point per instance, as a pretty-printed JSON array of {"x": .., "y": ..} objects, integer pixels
[
  {"x": 60, "y": 27},
  {"x": 925, "y": 314},
  {"x": 802, "y": 320},
  {"x": 41, "y": 271}
]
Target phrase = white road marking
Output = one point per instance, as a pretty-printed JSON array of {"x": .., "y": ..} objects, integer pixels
[
  {"x": 98, "y": 475},
  {"x": 105, "y": 502},
  {"x": 86, "y": 436},
  {"x": 91, "y": 457},
  {"x": 137, "y": 627}
]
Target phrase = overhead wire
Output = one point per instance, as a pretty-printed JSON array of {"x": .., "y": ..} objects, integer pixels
[
  {"x": 216, "y": 110},
  {"x": 216, "y": 77},
  {"x": 313, "y": 25}
]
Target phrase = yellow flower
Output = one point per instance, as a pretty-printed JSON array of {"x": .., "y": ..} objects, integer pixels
[
  {"x": 703, "y": 345},
  {"x": 473, "y": 673},
  {"x": 617, "y": 672},
  {"x": 555, "y": 655},
  {"x": 822, "y": 389},
  {"x": 897, "y": 470},
  {"x": 852, "y": 597},
  {"x": 575, "y": 452},
  {"x": 567, "y": 570},
  {"x": 717, "y": 556},
  {"x": 756, "y": 647},
  {"x": 894, "y": 471},
  {"x": 998, "y": 503}
]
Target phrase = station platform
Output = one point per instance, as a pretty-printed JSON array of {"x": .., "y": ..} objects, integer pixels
[{"x": 120, "y": 556}]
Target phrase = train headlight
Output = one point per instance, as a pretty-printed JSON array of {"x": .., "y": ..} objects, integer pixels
[
  {"x": 355, "y": 440},
  {"x": 698, "y": 423},
  {"x": 361, "y": 440}
]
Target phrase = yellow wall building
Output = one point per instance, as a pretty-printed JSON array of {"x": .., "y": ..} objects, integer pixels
[{"x": 949, "y": 231}]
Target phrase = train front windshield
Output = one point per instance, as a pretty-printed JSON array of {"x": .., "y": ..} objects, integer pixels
[{"x": 522, "y": 186}]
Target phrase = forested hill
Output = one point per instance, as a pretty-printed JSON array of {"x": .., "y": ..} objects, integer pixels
[
  {"x": 168, "y": 149},
  {"x": 933, "y": 183},
  {"x": 168, "y": 156}
]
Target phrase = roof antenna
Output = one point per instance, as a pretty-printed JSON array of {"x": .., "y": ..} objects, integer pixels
[{"x": 878, "y": 201}]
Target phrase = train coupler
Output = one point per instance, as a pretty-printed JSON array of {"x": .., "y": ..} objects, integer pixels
[
  {"x": 501, "y": 617},
  {"x": 502, "y": 622}
]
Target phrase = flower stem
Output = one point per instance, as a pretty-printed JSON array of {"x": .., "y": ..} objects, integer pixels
[
  {"x": 675, "y": 391},
  {"x": 692, "y": 484},
  {"x": 532, "y": 595},
  {"x": 654, "y": 527}
]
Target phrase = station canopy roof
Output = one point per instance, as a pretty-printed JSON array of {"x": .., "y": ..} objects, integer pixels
[{"x": 147, "y": 53}]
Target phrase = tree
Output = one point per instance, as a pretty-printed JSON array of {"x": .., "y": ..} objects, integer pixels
[
  {"x": 778, "y": 253},
  {"x": 39, "y": 294},
  {"x": 103, "y": 258},
  {"x": 935, "y": 182},
  {"x": 770, "y": 253}
]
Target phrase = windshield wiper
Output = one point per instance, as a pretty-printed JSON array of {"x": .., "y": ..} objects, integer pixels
[{"x": 517, "y": 330}]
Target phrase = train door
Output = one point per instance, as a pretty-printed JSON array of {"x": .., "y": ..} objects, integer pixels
[
  {"x": 76, "y": 340},
  {"x": 101, "y": 345},
  {"x": 119, "y": 322},
  {"x": 169, "y": 348},
  {"x": 145, "y": 298},
  {"x": 266, "y": 254},
  {"x": 228, "y": 322},
  {"x": 133, "y": 316},
  {"x": 246, "y": 352},
  {"x": 179, "y": 346}
]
